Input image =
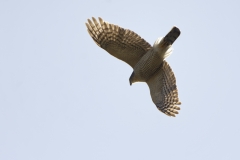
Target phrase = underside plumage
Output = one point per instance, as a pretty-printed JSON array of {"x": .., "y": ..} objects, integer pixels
[{"x": 119, "y": 42}]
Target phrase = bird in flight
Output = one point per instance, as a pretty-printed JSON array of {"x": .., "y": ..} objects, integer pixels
[{"x": 148, "y": 62}]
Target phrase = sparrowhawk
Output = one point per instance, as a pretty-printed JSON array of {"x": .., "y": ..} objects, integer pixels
[{"x": 148, "y": 62}]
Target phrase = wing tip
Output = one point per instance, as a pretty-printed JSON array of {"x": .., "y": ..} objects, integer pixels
[{"x": 170, "y": 110}]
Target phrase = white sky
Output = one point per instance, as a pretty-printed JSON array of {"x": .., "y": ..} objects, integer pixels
[{"x": 62, "y": 97}]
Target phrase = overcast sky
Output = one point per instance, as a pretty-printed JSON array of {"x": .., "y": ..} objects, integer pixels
[{"x": 62, "y": 97}]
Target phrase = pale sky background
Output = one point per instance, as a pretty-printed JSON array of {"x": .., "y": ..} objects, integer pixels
[{"x": 62, "y": 97}]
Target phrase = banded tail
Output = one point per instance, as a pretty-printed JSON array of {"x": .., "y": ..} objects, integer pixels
[
  {"x": 170, "y": 38},
  {"x": 163, "y": 45}
]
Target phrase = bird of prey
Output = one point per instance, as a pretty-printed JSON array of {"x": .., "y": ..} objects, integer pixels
[{"x": 148, "y": 62}]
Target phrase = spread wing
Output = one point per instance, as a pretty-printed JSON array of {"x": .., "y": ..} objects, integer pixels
[
  {"x": 119, "y": 42},
  {"x": 164, "y": 91}
]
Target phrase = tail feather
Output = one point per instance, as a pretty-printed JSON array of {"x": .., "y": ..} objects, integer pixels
[
  {"x": 164, "y": 45},
  {"x": 170, "y": 38}
]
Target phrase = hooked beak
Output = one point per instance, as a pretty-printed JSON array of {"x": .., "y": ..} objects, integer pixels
[{"x": 130, "y": 79}]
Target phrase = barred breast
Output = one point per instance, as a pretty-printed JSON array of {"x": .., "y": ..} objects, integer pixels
[{"x": 147, "y": 66}]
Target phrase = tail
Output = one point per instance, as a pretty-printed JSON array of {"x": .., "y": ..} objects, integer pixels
[
  {"x": 170, "y": 38},
  {"x": 164, "y": 44}
]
